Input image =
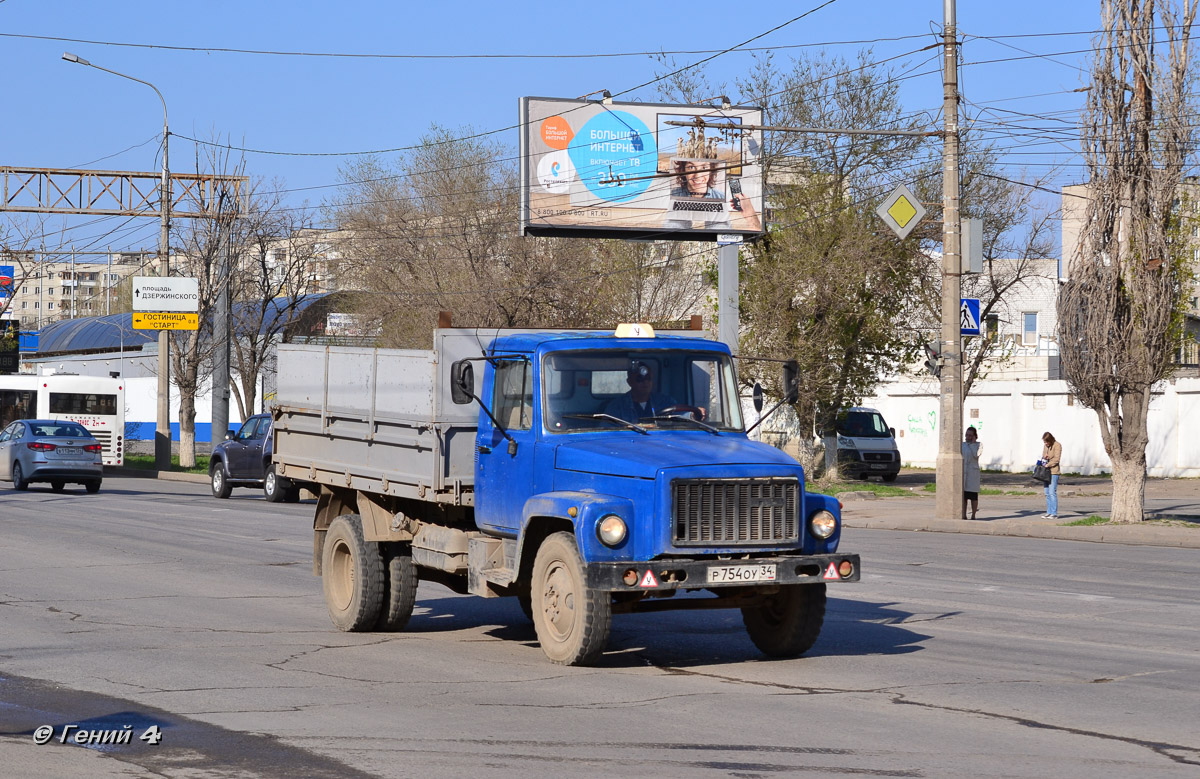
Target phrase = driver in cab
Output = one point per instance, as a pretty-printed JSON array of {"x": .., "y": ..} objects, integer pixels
[{"x": 641, "y": 401}]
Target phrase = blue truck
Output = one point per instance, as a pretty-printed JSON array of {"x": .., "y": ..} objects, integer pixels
[{"x": 585, "y": 473}]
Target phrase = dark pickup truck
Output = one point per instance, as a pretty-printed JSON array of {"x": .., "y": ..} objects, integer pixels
[{"x": 243, "y": 459}]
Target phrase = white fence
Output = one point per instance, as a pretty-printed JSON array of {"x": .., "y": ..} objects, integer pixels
[{"x": 1012, "y": 415}]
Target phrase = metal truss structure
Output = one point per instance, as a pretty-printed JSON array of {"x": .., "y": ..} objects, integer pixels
[{"x": 117, "y": 193}]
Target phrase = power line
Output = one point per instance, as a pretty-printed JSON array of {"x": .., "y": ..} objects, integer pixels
[
  {"x": 675, "y": 72},
  {"x": 464, "y": 56}
]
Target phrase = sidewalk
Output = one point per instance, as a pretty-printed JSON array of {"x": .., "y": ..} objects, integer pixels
[{"x": 1020, "y": 515}]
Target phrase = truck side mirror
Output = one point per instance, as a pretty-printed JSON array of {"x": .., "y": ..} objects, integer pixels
[
  {"x": 892, "y": 431},
  {"x": 758, "y": 397},
  {"x": 462, "y": 382},
  {"x": 791, "y": 382}
]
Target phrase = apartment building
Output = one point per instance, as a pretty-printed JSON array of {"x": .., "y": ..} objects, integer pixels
[{"x": 53, "y": 286}]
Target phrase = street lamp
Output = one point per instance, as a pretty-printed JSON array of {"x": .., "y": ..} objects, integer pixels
[
  {"x": 162, "y": 428},
  {"x": 121, "y": 331}
]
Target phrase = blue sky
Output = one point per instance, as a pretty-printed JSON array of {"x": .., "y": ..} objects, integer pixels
[{"x": 64, "y": 115}]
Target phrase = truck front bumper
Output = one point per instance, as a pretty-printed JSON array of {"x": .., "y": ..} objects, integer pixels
[{"x": 712, "y": 573}]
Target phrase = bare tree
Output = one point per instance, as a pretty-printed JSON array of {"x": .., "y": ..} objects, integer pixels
[
  {"x": 1120, "y": 314},
  {"x": 202, "y": 249},
  {"x": 271, "y": 277},
  {"x": 437, "y": 231},
  {"x": 1018, "y": 236}
]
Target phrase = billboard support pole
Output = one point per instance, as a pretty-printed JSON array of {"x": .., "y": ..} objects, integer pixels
[{"x": 727, "y": 295}]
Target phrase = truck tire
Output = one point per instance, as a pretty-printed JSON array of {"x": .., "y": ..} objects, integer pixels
[
  {"x": 351, "y": 575},
  {"x": 788, "y": 623},
  {"x": 572, "y": 622},
  {"x": 220, "y": 482},
  {"x": 399, "y": 587},
  {"x": 274, "y": 489}
]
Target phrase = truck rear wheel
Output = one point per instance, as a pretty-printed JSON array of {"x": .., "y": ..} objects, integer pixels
[
  {"x": 399, "y": 587},
  {"x": 787, "y": 623},
  {"x": 572, "y": 622},
  {"x": 351, "y": 575}
]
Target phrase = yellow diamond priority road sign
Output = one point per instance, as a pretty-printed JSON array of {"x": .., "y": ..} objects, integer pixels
[
  {"x": 165, "y": 320},
  {"x": 901, "y": 211}
]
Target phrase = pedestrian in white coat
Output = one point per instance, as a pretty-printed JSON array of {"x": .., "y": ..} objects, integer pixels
[{"x": 971, "y": 474}]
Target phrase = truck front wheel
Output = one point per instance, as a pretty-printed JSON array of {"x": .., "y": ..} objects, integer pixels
[
  {"x": 351, "y": 575},
  {"x": 788, "y": 622},
  {"x": 572, "y": 622}
]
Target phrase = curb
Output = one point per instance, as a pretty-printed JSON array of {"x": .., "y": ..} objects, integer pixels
[
  {"x": 1130, "y": 535},
  {"x": 141, "y": 473}
]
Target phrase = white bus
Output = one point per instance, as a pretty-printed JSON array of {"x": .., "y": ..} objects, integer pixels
[{"x": 96, "y": 402}]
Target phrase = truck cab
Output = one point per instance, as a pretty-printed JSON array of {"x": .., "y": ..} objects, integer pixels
[
  {"x": 635, "y": 447},
  {"x": 566, "y": 403}
]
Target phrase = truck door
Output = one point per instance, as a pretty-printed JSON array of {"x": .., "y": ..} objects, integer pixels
[{"x": 504, "y": 481}]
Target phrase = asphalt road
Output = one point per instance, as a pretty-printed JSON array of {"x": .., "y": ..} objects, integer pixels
[{"x": 152, "y": 604}]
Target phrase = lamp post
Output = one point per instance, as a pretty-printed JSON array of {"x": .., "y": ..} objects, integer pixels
[
  {"x": 162, "y": 427},
  {"x": 121, "y": 331}
]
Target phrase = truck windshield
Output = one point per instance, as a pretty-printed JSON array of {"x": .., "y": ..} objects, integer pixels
[
  {"x": 658, "y": 389},
  {"x": 863, "y": 424}
]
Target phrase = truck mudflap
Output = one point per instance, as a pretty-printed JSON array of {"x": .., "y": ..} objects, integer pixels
[{"x": 711, "y": 573}]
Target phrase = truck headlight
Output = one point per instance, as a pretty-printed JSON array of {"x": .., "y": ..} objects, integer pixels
[
  {"x": 845, "y": 442},
  {"x": 822, "y": 524},
  {"x": 611, "y": 530}
]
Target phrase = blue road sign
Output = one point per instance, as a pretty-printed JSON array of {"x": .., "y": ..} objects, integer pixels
[{"x": 968, "y": 316}]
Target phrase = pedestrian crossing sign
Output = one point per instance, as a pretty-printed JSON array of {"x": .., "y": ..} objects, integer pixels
[{"x": 968, "y": 316}]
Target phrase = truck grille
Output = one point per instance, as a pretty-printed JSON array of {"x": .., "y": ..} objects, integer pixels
[
  {"x": 877, "y": 457},
  {"x": 735, "y": 512}
]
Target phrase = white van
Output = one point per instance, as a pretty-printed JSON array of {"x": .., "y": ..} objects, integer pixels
[{"x": 866, "y": 446}]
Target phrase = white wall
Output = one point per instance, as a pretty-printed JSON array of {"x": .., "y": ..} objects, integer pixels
[{"x": 1012, "y": 415}]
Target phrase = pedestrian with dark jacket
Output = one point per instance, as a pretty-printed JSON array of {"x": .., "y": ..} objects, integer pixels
[{"x": 1051, "y": 458}]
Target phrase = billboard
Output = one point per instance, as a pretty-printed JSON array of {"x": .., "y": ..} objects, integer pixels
[
  {"x": 592, "y": 168},
  {"x": 7, "y": 275},
  {"x": 10, "y": 339}
]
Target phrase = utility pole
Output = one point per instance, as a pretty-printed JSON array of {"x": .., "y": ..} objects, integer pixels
[
  {"x": 162, "y": 425},
  {"x": 221, "y": 325},
  {"x": 728, "y": 315},
  {"x": 41, "y": 276},
  {"x": 949, "y": 460}
]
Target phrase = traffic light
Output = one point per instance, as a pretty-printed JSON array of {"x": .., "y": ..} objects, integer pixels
[{"x": 933, "y": 360}]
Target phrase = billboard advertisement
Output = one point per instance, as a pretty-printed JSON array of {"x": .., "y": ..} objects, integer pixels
[
  {"x": 593, "y": 168},
  {"x": 6, "y": 280}
]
